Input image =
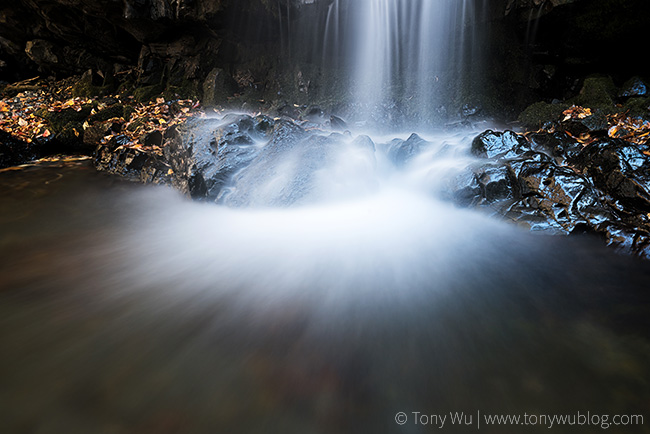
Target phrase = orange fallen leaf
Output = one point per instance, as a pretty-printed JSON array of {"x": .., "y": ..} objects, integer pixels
[{"x": 576, "y": 112}]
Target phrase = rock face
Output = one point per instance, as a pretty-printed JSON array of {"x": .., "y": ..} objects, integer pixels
[{"x": 174, "y": 46}]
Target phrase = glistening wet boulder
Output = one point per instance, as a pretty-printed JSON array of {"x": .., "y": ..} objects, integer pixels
[
  {"x": 559, "y": 145},
  {"x": 198, "y": 157},
  {"x": 565, "y": 198},
  {"x": 491, "y": 144},
  {"x": 621, "y": 169},
  {"x": 562, "y": 186},
  {"x": 497, "y": 182}
]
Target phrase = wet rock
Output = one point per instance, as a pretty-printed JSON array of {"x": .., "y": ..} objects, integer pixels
[
  {"x": 627, "y": 239},
  {"x": 364, "y": 142},
  {"x": 402, "y": 151},
  {"x": 14, "y": 151},
  {"x": 497, "y": 183},
  {"x": 621, "y": 169},
  {"x": 562, "y": 187},
  {"x": 198, "y": 158},
  {"x": 596, "y": 123},
  {"x": 541, "y": 114},
  {"x": 338, "y": 124},
  {"x": 289, "y": 111},
  {"x": 219, "y": 150},
  {"x": 233, "y": 131},
  {"x": 558, "y": 145},
  {"x": 315, "y": 115},
  {"x": 560, "y": 194},
  {"x": 463, "y": 189},
  {"x": 279, "y": 173},
  {"x": 508, "y": 144},
  {"x": 633, "y": 87}
]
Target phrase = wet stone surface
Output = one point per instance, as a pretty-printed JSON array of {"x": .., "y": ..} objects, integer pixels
[{"x": 565, "y": 188}]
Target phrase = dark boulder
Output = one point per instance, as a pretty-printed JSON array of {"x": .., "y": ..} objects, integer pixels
[
  {"x": 595, "y": 123},
  {"x": 463, "y": 189},
  {"x": 563, "y": 187},
  {"x": 198, "y": 158},
  {"x": 14, "y": 151},
  {"x": 564, "y": 197},
  {"x": 497, "y": 182},
  {"x": 633, "y": 87},
  {"x": 559, "y": 145},
  {"x": 506, "y": 145},
  {"x": 365, "y": 143},
  {"x": 280, "y": 174},
  {"x": 621, "y": 169}
]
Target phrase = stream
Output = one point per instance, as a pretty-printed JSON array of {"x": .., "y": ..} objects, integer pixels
[{"x": 127, "y": 308}]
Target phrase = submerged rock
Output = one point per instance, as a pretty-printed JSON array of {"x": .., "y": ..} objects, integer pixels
[{"x": 283, "y": 172}]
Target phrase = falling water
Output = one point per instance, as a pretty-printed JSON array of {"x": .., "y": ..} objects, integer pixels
[{"x": 416, "y": 59}]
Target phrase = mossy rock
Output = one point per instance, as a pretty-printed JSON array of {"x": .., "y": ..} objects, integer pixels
[
  {"x": 114, "y": 111},
  {"x": 70, "y": 137},
  {"x": 540, "y": 113},
  {"x": 147, "y": 93},
  {"x": 597, "y": 93},
  {"x": 187, "y": 90},
  {"x": 125, "y": 88},
  {"x": 84, "y": 89},
  {"x": 137, "y": 123},
  {"x": 638, "y": 107},
  {"x": 62, "y": 119}
]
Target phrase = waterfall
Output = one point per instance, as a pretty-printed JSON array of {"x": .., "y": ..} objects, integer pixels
[{"x": 414, "y": 58}]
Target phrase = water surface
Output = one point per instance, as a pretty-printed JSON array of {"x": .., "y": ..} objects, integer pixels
[{"x": 129, "y": 309}]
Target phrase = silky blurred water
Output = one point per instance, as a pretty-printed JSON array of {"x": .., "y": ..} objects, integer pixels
[{"x": 129, "y": 309}]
